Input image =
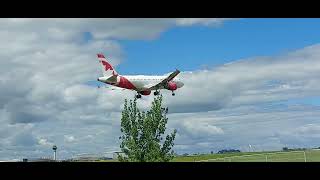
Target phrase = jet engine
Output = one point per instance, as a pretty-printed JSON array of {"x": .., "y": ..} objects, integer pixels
[
  {"x": 171, "y": 86},
  {"x": 145, "y": 93}
]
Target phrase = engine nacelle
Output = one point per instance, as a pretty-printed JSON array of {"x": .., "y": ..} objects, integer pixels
[
  {"x": 145, "y": 93},
  {"x": 172, "y": 86}
]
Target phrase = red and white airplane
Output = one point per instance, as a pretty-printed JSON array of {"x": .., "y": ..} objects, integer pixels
[{"x": 140, "y": 83}]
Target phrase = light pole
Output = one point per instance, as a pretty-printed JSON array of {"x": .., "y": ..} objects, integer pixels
[{"x": 54, "y": 152}]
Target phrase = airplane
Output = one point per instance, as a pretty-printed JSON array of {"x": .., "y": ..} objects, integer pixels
[{"x": 142, "y": 84}]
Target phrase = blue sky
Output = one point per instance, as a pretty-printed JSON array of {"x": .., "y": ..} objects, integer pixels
[
  {"x": 196, "y": 47},
  {"x": 199, "y": 47}
]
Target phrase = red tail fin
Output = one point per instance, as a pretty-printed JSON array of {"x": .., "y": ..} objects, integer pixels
[{"x": 108, "y": 70}]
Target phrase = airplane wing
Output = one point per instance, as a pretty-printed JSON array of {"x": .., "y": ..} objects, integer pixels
[
  {"x": 165, "y": 81},
  {"x": 111, "y": 88}
]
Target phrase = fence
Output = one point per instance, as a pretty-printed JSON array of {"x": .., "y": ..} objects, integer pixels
[{"x": 290, "y": 156}]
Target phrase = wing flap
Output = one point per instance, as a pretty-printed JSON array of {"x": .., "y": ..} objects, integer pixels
[{"x": 113, "y": 88}]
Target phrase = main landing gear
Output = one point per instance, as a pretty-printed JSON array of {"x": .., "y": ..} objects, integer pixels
[
  {"x": 138, "y": 96},
  {"x": 156, "y": 93}
]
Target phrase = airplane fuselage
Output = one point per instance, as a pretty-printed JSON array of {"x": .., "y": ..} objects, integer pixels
[{"x": 138, "y": 82}]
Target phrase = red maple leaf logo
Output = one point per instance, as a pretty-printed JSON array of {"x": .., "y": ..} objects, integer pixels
[{"x": 107, "y": 67}]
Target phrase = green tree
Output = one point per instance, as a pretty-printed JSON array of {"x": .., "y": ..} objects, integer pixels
[{"x": 142, "y": 133}]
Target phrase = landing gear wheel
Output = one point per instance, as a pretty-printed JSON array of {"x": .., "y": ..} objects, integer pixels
[
  {"x": 173, "y": 94},
  {"x": 156, "y": 93},
  {"x": 138, "y": 96}
]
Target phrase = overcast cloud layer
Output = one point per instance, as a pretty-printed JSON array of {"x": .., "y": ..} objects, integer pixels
[{"x": 45, "y": 64}]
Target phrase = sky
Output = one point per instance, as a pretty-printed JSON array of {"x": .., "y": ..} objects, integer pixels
[{"x": 247, "y": 82}]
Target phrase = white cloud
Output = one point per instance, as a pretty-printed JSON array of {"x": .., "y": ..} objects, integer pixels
[
  {"x": 309, "y": 129},
  {"x": 201, "y": 21},
  {"x": 45, "y": 63},
  {"x": 69, "y": 29},
  {"x": 45, "y": 142},
  {"x": 265, "y": 128},
  {"x": 69, "y": 138},
  {"x": 250, "y": 81},
  {"x": 201, "y": 128}
]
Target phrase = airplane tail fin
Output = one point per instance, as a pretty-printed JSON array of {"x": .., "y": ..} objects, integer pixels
[{"x": 107, "y": 68}]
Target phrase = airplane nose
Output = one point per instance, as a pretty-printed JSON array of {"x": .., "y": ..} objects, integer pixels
[{"x": 100, "y": 79}]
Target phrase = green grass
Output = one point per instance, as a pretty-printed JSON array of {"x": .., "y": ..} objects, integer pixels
[
  {"x": 291, "y": 156},
  {"x": 313, "y": 156},
  {"x": 274, "y": 156},
  {"x": 211, "y": 156}
]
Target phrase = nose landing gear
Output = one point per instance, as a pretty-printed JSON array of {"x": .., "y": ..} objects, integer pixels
[
  {"x": 173, "y": 94},
  {"x": 138, "y": 96},
  {"x": 156, "y": 93}
]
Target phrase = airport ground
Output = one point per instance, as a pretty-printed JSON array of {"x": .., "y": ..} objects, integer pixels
[{"x": 272, "y": 156}]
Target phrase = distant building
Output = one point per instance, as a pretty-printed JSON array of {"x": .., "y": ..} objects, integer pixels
[
  {"x": 42, "y": 159},
  {"x": 117, "y": 153}
]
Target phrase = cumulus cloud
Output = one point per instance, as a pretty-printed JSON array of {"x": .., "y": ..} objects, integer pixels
[
  {"x": 201, "y": 128},
  {"x": 262, "y": 127},
  {"x": 45, "y": 142},
  {"x": 69, "y": 138},
  {"x": 250, "y": 81},
  {"x": 24, "y": 137},
  {"x": 201, "y": 21},
  {"x": 45, "y": 64},
  {"x": 69, "y": 29}
]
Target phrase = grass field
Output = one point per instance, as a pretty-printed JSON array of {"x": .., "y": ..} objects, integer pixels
[
  {"x": 291, "y": 156},
  {"x": 274, "y": 156}
]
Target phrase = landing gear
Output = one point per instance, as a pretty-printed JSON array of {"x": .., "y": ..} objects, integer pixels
[
  {"x": 156, "y": 93},
  {"x": 138, "y": 96},
  {"x": 173, "y": 94}
]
